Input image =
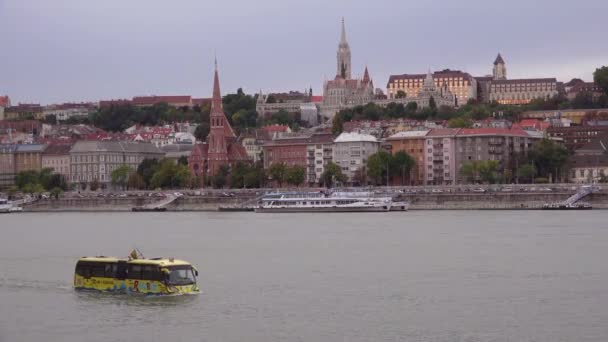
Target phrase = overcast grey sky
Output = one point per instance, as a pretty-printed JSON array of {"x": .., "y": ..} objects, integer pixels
[{"x": 84, "y": 50}]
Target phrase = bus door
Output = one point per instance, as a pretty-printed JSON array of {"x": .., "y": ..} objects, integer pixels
[{"x": 121, "y": 271}]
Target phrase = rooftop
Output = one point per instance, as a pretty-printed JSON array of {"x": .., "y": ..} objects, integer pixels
[
  {"x": 114, "y": 146},
  {"x": 408, "y": 134},
  {"x": 355, "y": 137}
]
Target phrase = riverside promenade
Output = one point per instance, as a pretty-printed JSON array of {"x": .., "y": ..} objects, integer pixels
[{"x": 493, "y": 197}]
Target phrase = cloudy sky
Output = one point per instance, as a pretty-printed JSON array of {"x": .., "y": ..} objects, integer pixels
[{"x": 83, "y": 50}]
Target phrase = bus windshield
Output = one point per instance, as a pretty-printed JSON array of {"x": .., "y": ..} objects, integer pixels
[{"x": 180, "y": 275}]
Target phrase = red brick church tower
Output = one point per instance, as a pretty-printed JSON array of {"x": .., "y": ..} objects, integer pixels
[
  {"x": 222, "y": 146},
  {"x": 220, "y": 134}
]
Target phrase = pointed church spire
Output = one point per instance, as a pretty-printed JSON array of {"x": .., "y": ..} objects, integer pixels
[
  {"x": 343, "y": 35},
  {"x": 366, "y": 76},
  {"x": 216, "y": 101}
]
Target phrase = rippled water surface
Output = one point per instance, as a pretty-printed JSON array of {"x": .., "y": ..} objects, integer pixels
[{"x": 415, "y": 276}]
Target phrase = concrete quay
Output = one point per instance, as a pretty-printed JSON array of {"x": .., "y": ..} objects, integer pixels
[{"x": 426, "y": 199}]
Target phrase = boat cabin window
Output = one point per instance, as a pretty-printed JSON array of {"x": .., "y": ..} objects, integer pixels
[{"x": 180, "y": 275}]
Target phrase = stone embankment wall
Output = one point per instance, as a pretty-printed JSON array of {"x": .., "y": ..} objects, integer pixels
[
  {"x": 496, "y": 200},
  {"x": 425, "y": 201}
]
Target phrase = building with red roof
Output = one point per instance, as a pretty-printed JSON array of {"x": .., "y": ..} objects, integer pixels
[{"x": 5, "y": 101}]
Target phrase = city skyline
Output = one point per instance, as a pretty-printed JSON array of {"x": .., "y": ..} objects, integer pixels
[{"x": 71, "y": 56}]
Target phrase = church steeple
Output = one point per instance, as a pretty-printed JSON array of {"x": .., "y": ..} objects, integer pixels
[
  {"x": 366, "y": 78},
  {"x": 343, "y": 35},
  {"x": 500, "y": 70},
  {"x": 343, "y": 56},
  {"x": 220, "y": 130}
]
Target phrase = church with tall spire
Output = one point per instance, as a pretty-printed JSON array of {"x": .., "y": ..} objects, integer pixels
[
  {"x": 344, "y": 91},
  {"x": 221, "y": 147}
]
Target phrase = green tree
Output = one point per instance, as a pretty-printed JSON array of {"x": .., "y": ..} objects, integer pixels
[
  {"x": 254, "y": 178},
  {"x": 202, "y": 131},
  {"x": 33, "y": 188},
  {"x": 337, "y": 125},
  {"x": 333, "y": 175},
  {"x": 136, "y": 181},
  {"x": 237, "y": 176},
  {"x": 526, "y": 172},
  {"x": 411, "y": 108},
  {"x": 400, "y": 94},
  {"x": 278, "y": 172},
  {"x": 146, "y": 169},
  {"x": 120, "y": 176},
  {"x": 221, "y": 177},
  {"x": 378, "y": 167},
  {"x": 56, "y": 192},
  {"x": 183, "y": 160},
  {"x": 295, "y": 175},
  {"x": 402, "y": 164},
  {"x": 94, "y": 185},
  {"x": 432, "y": 103},
  {"x": 600, "y": 77},
  {"x": 171, "y": 175},
  {"x": 548, "y": 158},
  {"x": 460, "y": 122},
  {"x": 488, "y": 171},
  {"x": 470, "y": 171}
]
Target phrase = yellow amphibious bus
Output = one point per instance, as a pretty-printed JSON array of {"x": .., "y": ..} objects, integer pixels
[{"x": 157, "y": 276}]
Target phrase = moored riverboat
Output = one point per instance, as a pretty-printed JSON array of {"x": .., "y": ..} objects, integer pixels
[
  {"x": 565, "y": 206},
  {"x": 136, "y": 275},
  {"x": 314, "y": 202},
  {"x": 8, "y": 207}
]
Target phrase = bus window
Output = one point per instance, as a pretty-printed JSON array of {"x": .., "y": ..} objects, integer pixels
[
  {"x": 110, "y": 270},
  {"x": 150, "y": 272},
  {"x": 134, "y": 272},
  {"x": 83, "y": 270},
  {"x": 98, "y": 270}
]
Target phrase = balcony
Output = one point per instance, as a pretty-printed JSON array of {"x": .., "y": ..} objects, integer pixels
[
  {"x": 438, "y": 154},
  {"x": 493, "y": 150},
  {"x": 495, "y": 142}
]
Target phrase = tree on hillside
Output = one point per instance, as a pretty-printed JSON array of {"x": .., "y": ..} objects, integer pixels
[
  {"x": 582, "y": 100},
  {"x": 333, "y": 175},
  {"x": 337, "y": 126},
  {"x": 201, "y": 131},
  {"x": 460, "y": 123},
  {"x": 432, "y": 103},
  {"x": 600, "y": 77},
  {"x": 400, "y": 94}
]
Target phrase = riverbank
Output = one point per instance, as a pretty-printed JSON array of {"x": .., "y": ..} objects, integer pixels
[{"x": 418, "y": 201}]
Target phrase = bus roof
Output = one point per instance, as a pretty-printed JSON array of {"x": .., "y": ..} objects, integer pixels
[{"x": 153, "y": 261}]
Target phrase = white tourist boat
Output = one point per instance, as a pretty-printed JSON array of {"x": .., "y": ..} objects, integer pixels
[
  {"x": 314, "y": 202},
  {"x": 8, "y": 207}
]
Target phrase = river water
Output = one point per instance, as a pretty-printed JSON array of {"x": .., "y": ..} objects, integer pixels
[{"x": 416, "y": 276}]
